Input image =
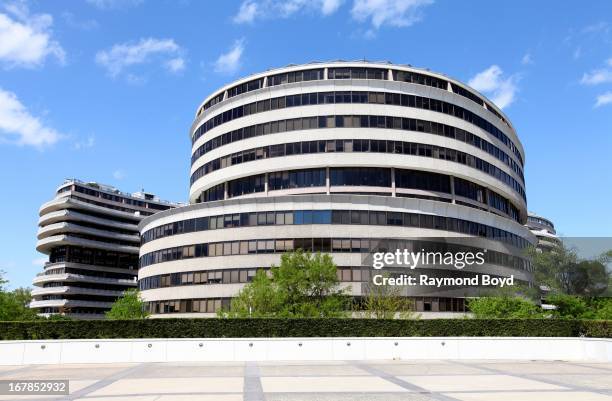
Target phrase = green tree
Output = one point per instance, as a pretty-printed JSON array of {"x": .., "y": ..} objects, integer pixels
[
  {"x": 308, "y": 285},
  {"x": 575, "y": 307},
  {"x": 569, "y": 306},
  {"x": 14, "y": 305},
  {"x": 386, "y": 302},
  {"x": 561, "y": 270},
  {"x": 128, "y": 306},
  {"x": 260, "y": 298},
  {"x": 503, "y": 307},
  {"x": 603, "y": 309},
  {"x": 303, "y": 285}
]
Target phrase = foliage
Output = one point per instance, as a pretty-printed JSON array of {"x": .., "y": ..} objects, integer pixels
[
  {"x": 386, "y": 302},
  {"x": 260, "y": 298},
  {"x": 317, "y": 327},
  {"x": 303, "y": 285},
  {"x": 128, "y": 306},
  {"x": 561, "y": 270},
  {"x": 574, "y": 307},
  {"x": 503, "y": 307},
  {"x": 14, "y": 305}
]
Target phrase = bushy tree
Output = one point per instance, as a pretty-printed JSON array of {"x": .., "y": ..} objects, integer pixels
[
  {"x": 569, "y": 306},
  {"x": 303, "y": 285},
  {"x": 574, "y": 307},
  {"x": 128, "y": 306},
  {"x": 562, "y": 270},
  {"x": 259, "y": 298},
  {"x": 386, "y": 302},
  {"x": 14, "y": 304},
  {"x": 503, "y": 307}
]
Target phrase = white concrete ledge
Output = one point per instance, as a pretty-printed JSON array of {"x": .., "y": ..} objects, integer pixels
[{"x": 288, "y": 349}]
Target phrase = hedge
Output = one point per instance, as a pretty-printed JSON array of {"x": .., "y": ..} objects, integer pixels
[{"x": 236, "y": 328}]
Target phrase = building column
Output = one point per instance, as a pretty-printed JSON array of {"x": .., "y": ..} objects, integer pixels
[
  {"x": 225, "y": 192},
  {"x": 266, "y": 184},
  {"x": 327, "y": 181},
  {"x": 452, "y": 185},
  {"x": 393, "y": 192}
]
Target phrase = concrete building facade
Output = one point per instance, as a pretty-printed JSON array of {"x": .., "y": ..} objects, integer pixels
[
  {"x": 346, "y": 158},
  {"x": 90, "y": 232},
  {"x": 544, "y": 230}
]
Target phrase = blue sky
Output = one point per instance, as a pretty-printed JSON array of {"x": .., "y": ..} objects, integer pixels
[{"x": 106, "y": 90}]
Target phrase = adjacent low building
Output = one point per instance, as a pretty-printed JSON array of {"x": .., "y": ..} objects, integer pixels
[
  {"x": 90, "y": 232},
  {"x": 544, "y": 230},
  {"x": 346, "y": 158}
]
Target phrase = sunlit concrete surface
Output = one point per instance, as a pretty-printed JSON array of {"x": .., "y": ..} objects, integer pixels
[{"x": 446, "y": 380}]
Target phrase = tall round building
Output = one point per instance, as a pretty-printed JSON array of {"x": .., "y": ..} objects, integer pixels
[{"x": 345, "y": 158}]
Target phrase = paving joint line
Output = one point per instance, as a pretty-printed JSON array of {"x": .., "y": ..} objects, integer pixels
[
  {"x": 402, "y": 383},
  {"x": 533, "y": 378},
  {"x": 104, "y": 382},
  {"x": 589, "y": 366},
  {"x": 253, "y": 390}
]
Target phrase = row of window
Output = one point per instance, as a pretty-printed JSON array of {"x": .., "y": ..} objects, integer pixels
[
  {"x": 395, "y": 99},
  {"x": 539, "y": 220},
  {"x": 91, "y": 273},
  {"x": 236, "y": 276},
  {"x": 115, "y": 198},
  {"x": 406, "y": 124},
  {"x": 105, "y": 240},
  {"x": 353, "y": 73},
  {"x": 212, "y": 305},
  {"x": 296, "y": 76},
  {"x": 89, "y": 256},
  {"x": 353, "y": 217},
  {"x": 362, "y": 176},
  {"x": 110, "y": 206},
  {"x": 358, "y": 145},
  {"x": 342, "y": 245}
]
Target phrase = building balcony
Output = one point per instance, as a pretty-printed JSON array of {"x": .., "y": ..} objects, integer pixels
[
  {"x": 70, "y": 228},
  {"x": 46, "y": 244},
  {"x": 71, "y": 277}
]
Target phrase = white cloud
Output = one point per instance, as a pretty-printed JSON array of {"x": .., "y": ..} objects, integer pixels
[
  {"x": 250, "y": 10},
  {"x": 397, "y": 13},
  {"x": 527, "y": 59},
  {"x": 85, "y": 144},
  {"x": 599, "y": 76},
  {"x": 17, "y": 125},
  {"x": 114, "y": 4},
  {"x": 26, "y": 40},
  {"x": 491, "y": 82},
  {"x": 229, "y": 63},
  {"x": 247, "y": 12},
  {"x": 603, "y": 99},
  {"x": 124, "y": 55},
  {"x": 73, "y": 21},
  {"x": 176, "y": 64}
]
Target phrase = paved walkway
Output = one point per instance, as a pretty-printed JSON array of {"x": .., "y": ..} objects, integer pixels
[{"x": 327, "y": 381}]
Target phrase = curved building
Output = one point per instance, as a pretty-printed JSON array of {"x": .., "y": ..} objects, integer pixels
[
  {"x": 544, "y": 230},
  {"x": 90, "y": 232},
  {"x": 341, "y": 157}
]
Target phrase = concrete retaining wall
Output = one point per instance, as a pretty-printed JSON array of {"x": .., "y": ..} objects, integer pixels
[{"x": 270, "y": 349}]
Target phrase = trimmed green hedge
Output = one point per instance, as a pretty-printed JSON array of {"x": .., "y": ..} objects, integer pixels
[{"x": 209, "y": 328}]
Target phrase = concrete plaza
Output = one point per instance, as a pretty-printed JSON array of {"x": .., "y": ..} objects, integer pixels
[{"x": 326, "y": 381}]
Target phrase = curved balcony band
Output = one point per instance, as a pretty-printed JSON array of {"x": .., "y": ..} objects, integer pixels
[
  {"x": 90, "y": 233},
  {"x": 344, "y": 158}
]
